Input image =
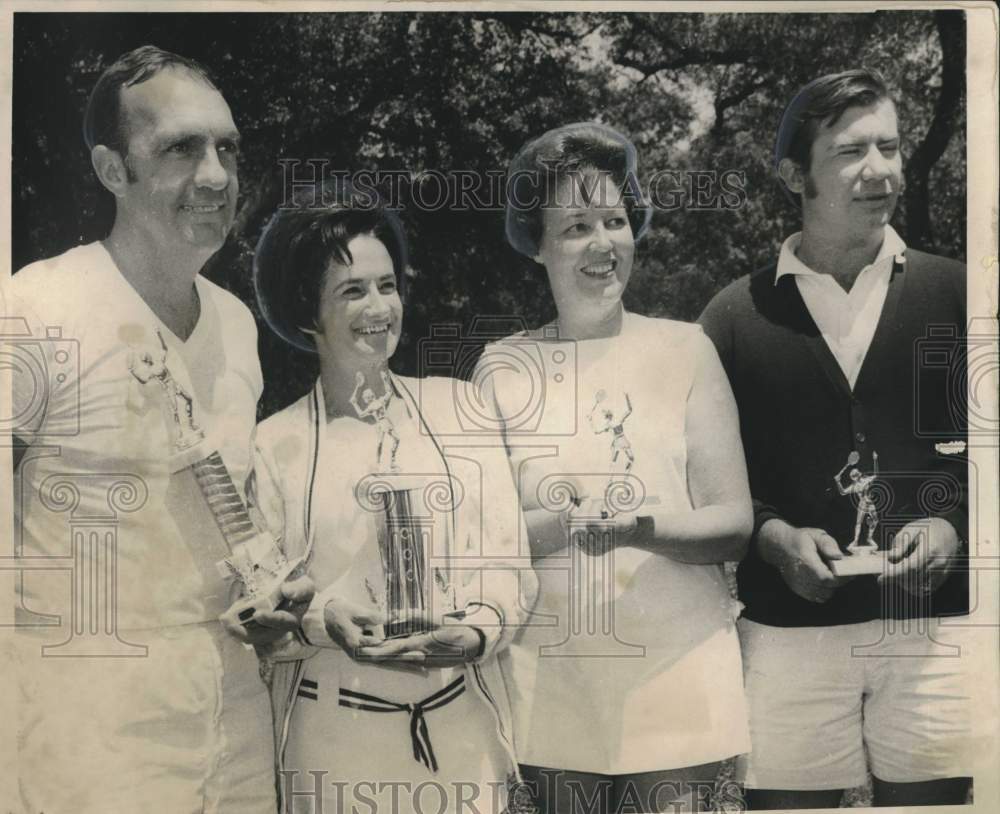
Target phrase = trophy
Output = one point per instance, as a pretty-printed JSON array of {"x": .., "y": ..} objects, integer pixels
[
  {"x": 255, "y": 560},
  {"x": 603, "y": 418},
  {"x": 861, "y": 557},
  {"x": 412, "y": 593}
]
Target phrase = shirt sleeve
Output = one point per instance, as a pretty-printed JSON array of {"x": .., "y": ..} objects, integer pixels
[
  {"x": 266, "y": 505},
  {"x": 265, "y": 501}
]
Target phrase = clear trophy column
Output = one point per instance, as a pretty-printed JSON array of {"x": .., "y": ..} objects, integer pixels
[{"x": 413, "y": 514}]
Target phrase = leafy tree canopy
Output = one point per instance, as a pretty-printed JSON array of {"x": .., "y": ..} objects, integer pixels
[{"x": 420, "y": 92}]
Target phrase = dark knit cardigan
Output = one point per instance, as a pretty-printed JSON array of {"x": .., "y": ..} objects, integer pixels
[{"x": 800, "y": 420}]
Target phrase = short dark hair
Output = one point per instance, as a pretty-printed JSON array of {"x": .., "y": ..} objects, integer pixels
[
  {"x": 299, "y": 242},
  {"x": 572, "y": 148},
  {"x": 822, "y": 102},
  {"x": 103, "y": 122}
]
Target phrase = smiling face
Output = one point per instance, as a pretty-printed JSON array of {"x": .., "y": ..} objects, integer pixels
[
  {"x": 855, "y": 175},
  {"x": 182, "y": 150},
  {"x": 587, "y": 246},
  {"x": 360, "y": 312}
]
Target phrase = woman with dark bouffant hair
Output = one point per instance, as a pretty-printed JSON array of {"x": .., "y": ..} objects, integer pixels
[
  {"x": 622, "y": 430},
  {"x": 383, "y": 700}
]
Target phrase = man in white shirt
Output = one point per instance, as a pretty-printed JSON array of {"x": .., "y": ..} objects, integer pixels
[
  {"x": 820, "y": 349},
  {"x": 133, "y": 695},
  {"x": 846, "y": 315}
]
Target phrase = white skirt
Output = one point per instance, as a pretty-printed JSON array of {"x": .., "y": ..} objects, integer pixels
[
  {"x": 377, "y": 757},
  {"x": 626, "y": 714}
]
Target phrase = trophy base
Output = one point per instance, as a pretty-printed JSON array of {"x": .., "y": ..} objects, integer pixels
[
  {"x": 406, "y": 627},
  {"x": 859, "y": 563}
]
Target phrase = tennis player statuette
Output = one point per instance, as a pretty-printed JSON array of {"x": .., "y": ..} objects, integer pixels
[
  {"x": 255, "y": 560},
  {"x": 863, "y": 554},
  {"x": 604, "y": 418}
]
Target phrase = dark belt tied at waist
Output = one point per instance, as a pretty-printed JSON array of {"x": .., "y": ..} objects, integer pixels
[{"x": 423, "y": 752}]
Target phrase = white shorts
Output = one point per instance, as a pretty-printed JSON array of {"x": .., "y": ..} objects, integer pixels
[
  {"x": 187, "y": 728},
  {"x": 819, "y": 696}
]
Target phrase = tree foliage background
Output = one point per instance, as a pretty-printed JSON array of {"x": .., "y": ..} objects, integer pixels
[{"x": 463, "y": 91}]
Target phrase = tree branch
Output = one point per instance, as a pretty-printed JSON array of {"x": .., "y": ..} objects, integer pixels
[
  {"x": 724, "y": 103},
  {"x": 951, "y": 34},
  {"x": 676, "y": 55}
]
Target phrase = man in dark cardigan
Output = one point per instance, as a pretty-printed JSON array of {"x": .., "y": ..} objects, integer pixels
[{"x": 823, "y": 350}]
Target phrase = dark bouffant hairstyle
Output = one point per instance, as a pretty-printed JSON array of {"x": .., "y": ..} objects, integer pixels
[
  {"x": 569, "y": 149},
  {"x": 298, "y": 244}
]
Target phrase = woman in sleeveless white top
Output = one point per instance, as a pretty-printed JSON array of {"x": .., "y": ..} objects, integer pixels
[
  {"x": 624, "y": 442},
  {"x": 414, "y": 723}
]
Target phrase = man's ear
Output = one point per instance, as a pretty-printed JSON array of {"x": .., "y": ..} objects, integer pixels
[
  {"x": 110, "y": 168},
  {"x": 791, "y": 173}
]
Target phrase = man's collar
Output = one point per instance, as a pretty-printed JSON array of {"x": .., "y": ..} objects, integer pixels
[{"x": 789, "y": 263}]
